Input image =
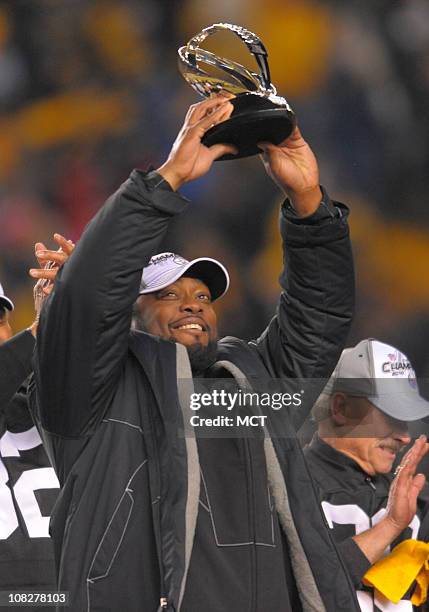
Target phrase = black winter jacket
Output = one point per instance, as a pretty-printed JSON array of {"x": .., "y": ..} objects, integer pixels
[{"x": 109, "y": 409}]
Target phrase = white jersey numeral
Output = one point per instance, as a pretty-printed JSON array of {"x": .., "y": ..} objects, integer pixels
[
  {"x": 367, "y": 601},
  {"x": 8, "y": 518},
  {"x": 24, "y": 488},
  {"x": 351, "y": 514}
]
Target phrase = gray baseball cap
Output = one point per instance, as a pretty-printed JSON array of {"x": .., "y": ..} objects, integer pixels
[
  {"x": 383, "y": 375},
  {"x": 165, "y": 268},
  {"x": 5, "y": 301}
]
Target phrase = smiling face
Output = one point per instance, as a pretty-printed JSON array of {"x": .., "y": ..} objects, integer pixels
[
  {"x": 182, "y": 312},
  {"x": 367, "y": 435}
]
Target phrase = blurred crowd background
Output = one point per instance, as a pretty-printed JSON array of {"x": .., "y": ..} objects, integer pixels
[{"x": 90, "y": 89}]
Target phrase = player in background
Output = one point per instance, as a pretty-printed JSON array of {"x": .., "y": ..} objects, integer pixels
[{"x": 28, "y": 484}]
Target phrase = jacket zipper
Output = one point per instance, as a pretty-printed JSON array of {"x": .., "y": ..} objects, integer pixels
[
  {"x": 251, "y": 502},
  {"x": 163, "y": 603},
  {"x": 369, "y": 482}
]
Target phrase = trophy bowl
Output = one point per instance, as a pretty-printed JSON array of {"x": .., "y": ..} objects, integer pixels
[{"x": 259, "y": 114}]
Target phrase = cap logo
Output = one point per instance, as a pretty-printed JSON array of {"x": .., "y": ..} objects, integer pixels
[
  {"x": 163, "y": 257},
  {"x": 398, "y": 365},
  {"x": 157, "y": 259}
]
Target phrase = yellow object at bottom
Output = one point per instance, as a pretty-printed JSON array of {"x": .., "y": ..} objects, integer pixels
[{"x": 394, "y": 575}]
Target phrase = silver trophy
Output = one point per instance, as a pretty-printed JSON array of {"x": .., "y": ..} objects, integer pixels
[{"x": 259, "y": 114}]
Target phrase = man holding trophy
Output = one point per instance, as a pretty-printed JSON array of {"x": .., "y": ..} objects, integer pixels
[{"x": 149, "y": 519}]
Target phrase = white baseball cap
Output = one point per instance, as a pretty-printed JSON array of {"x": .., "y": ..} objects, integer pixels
[
  {"x": 165, "y": 268},
  {"x": 383, "y": 375},
  {"x": 5, "y": 301}
]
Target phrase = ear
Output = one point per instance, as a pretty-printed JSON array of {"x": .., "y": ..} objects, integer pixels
[
  {"x": 4, "y": 317},
  {"x": 338, "y": 409},
  {"x": 137, "y": 317}
]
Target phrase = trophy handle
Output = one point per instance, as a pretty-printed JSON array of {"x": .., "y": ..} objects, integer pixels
[
  {"x": 191, "y": 54},
  {"x": 259, "y": 114}
]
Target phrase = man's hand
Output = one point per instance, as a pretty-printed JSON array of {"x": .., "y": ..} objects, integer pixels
[
  {"x": 293, "y": 166},
  {"x": 404, "y": 490},
  {"x": 189, "y": 158},
  {"x": 49, "y": 262},
  {"x": 401, "y": 505}
]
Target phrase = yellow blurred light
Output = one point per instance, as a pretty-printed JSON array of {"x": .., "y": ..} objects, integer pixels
[{"x": 113, "y": 31}]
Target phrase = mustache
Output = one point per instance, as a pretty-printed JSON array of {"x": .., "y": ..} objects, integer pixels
[{"x": 395, "y": 447}]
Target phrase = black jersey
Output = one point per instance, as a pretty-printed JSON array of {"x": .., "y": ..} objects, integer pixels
[
  {"x": 353, "y": 502},
  {"x": 28, "y": 484}
]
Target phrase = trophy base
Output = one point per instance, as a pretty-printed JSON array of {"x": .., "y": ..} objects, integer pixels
[{"x": 254, "y": 119}]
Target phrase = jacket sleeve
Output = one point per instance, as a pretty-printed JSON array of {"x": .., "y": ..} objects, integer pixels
[
  {"x": 15, "y": 365},
  {"x": 305, "y": 338},
  {"x": 84, "y": 325},
  {"x": 354, "y": 559}
]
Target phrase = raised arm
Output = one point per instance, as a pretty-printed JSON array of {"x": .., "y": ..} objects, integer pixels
[
  {"x": 361, "y": 551},
  {"x": 84, "y": 325},
  {"x": 315, "y": 309},
  {"x": 17, "y": 352},
  {"x": 401, "y": 505}
]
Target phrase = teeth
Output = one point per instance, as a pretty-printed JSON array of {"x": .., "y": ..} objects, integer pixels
[{"x": 191, "y": 326}]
